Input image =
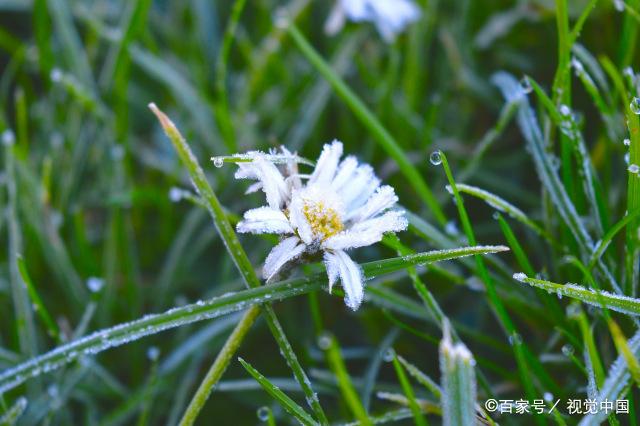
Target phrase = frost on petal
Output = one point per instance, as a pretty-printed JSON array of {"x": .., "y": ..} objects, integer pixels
[
  {"x": 298, "y": 219},
  {"x": 350, "y": 276},
  {"x": 391, "y": 221},
  {"x": 327, "y": 163},
  {"x": 345, "y": 171},
  {"x": 293, "y": 180},
  {"x": 346, "y": 240},
  {"x": 384, "y": 198},
  {"x": 367, "y": 232},
  {"x": 273, "y": 183},
  {"x": 254, "y": 187},
  {"x": 287, "y": 250},
  {"x": 359, "y": 188},
  {"x": 264, "y": 220},
  {"x": 333, "y": 270}
]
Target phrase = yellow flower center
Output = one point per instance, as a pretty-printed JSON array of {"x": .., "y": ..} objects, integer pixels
[{"x": 324, "y": 220}]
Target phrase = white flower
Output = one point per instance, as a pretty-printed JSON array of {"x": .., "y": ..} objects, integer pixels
[
  {"x": 341, "y": 206},
  {"x": 389, "y": 16}
]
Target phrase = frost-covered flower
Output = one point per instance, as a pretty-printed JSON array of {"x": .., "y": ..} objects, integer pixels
[
  {"x": 389, "y": 16},
  {"x": 339, "y": 206}
]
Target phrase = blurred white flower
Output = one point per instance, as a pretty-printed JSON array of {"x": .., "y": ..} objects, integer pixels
[
  {"x": 341, "y": 206},
  {"x": 389, "y": 16}
]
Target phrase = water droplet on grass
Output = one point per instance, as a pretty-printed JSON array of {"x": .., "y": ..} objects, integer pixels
[
  {"x": 388, "y": 355},
  {"x": 153, "y": 353},
  {"x": 633, "y": 168},
  {"x": 95, "y": 284},
  {"x": 634, "y": 106},
  {"x": 520, "y": 276},
  {"x": 525, "y": 85},
  {"x": 515, "y": 339},
  {"x": 567, "y": 350},
  {"x": 324, "y": 341},
  {"x": 626, "y": 142},
  {"x": 263, "y": 413},
  {"x": 618, "y": 5},
  {"x": 8, "y": 138},
  {"x": 435, "y": 158},
  {"x": 565, "y": 111},
  {"x": 218, "y": 161},
  {"x": 548, "y": 396}
]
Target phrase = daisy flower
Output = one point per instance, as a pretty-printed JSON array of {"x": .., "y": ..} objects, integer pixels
[
  {"x": 389, "y": 16},
  {"x": 339, "y": 206}
]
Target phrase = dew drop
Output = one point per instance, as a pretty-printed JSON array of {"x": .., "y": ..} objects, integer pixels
[
  {"x": 548, "y": 396},
  {"x": 515, "y": 339},
  {"x": 627, "y": 157},
  {"x": 627, "y": 142},
  {"x": 635, "y": 105},
  {"x": 618, "y": 5},
  {"x": 263, "y": 413},
  {"x": 218, "y": 161},
  {"x": 633, "y": 168},
  {"x": 577, "y": 66},
  {"x": 95, "y": 284},
  {"x": 567, "y": 350},
  {"x": 153, "y": 353},
  {"x": 175, "y": 194},
  {"x": 8, "y": 138},
  {"x": 525, "y": 85},
  {"x": 388, "y": 355},
  {"x": 565, "y": 111},
  {"x": 324, "y": 341},
  {"x": 55, "y": 75},
  {"x": 520, "y": 276},
  {"x": 435, "y": 158}
]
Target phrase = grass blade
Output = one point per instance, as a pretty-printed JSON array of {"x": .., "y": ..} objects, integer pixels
[
  {"x": 219, "y": 366},
  {"x": 624, "y": 304},
  {"x": 286, "y": 402},
  {"x": 408, "y": 391},
  {"x": 336, "y": 362}
]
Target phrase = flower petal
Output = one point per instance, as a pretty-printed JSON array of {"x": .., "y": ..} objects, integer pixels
[
  {"x": 391, "y": 221},
  {"x": 345, "y": 170},
  {"x": 350, "y": 276},
  {"x": 287, "y": 250},
  {"x": 367, "y": 232},
  {"x": 384, "y": 198},
  {"x": 327, "y": 163},
  {"x": 298, "y": 219},
  {"x": 359, "y": 188},
  {"x": 333, "y": 270},
  {"x": 264, "y": 220},
  {"x": 267, "y": 173}
]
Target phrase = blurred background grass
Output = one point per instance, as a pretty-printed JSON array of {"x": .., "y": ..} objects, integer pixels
[{"x": 93, "y": 173}]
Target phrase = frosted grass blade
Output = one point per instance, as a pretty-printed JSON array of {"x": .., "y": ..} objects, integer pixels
[
  {"x": 458, "y": 383},
  {"x": 624, "y": 304},
  {"x": 287, "y": 403}
]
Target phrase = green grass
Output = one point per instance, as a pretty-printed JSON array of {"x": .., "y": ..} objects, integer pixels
[{"x": 518, "y": 276}]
